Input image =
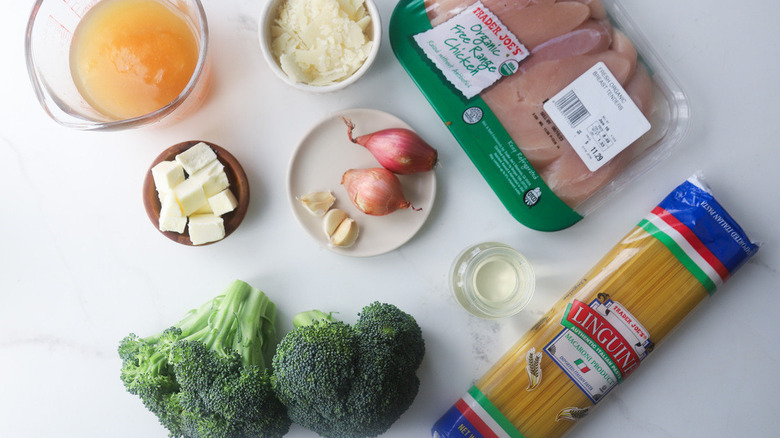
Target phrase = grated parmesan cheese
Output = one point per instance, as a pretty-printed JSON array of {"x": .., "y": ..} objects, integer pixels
[{"x": 321, "y": 42}]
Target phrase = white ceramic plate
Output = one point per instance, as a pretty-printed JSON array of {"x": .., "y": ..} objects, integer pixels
[{"x": 319, "y": 162}]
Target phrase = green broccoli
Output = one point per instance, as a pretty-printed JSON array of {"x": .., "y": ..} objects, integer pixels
[
  {"x": 206, "y": 376},
  {"x": 349, "y": 381}
]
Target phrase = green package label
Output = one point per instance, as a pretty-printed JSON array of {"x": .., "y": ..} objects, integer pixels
[{"x": 476, "y": 128}]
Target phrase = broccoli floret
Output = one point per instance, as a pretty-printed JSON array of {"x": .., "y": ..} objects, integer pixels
[
  {"x": 346, "y": 381},
  {"x": 206, "y": 376}
]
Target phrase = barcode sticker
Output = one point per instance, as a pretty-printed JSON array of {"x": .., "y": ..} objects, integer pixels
[
  {"x": 597, "y": 116},
  {"x": 572, "y": 108}
]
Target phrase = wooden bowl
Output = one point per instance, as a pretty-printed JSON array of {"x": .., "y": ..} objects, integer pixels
[{"x": 239, "y": 185}]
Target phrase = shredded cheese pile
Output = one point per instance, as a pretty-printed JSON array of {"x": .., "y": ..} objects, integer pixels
[{"x": 321, "y": 42}]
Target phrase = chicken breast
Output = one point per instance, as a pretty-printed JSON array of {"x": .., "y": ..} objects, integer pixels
[
  {"x": 596, "y": 7},
  {"x": 593, "y": 36},
  {"x": 440, "y": 11}
]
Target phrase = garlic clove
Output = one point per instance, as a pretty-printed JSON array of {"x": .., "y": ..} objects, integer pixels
[
  {"x": 346, "y": 233},
  {"x": 332, "y": 220},
  {"x": 317, "y": 203}
]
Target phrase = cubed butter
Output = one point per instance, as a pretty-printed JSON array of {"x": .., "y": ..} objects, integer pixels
[
  {"x": 213, "y": 178},
  {"x": 173, "y": 223},
  {"x": 196, "y": 157},
  {"x": 190, "y": 196},
  {"x": 167, "y": 175},
  {"x": 206, "y": 228},
  {"x": 216, "y": 184},
  {"x": 206, "y": 208},
  {"x": 223, "y": 202},
  {"x": 169, "y": 206}
]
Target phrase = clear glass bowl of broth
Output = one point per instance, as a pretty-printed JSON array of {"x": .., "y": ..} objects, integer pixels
[{"x": 117, "y": 64}]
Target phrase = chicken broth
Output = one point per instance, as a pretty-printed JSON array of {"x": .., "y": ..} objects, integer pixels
[{"x": 129, "y": 58}]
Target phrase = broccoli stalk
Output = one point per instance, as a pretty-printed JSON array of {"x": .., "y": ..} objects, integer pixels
[
  {"x": 346, "y": 381},
  {"x": 206, "y": 376}
]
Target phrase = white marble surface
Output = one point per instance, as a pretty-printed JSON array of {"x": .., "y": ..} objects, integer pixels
[{"x": 81, "y": 265}]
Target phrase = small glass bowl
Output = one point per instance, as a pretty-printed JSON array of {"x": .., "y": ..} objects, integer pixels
[{"x": 492, "y": 280}]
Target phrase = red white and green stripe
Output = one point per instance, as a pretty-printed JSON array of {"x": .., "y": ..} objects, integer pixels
[
  {"x": 700, "y": 234},
  {"x": 475, "y": 415},
  {"x": 686, "y": 247},
  {"x": 581, "y": 365}
]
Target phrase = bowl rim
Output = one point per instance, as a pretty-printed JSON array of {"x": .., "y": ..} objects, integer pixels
[{"x": 267, "y": 14}]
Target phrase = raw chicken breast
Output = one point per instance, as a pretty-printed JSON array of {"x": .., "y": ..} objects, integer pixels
[
  {"x": 535, "y": 135},
  {"x": 596, "y": 7},
  {"x": 640, "y": 89},
  {"x": 624, "y": 46},
  {"x": 536, "y": 24},
  {"x": 593, "y": 36},
  {"x": 440, "y": 11},
  {"x": 573, "y": 182}
]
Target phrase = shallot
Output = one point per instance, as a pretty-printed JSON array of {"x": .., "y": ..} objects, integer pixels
[
  {"x": 399, "y": 150},
  {"x": 375, "y": 191}
]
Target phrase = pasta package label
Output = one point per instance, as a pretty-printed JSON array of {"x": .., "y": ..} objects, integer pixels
[
  {"x": 474, "y": 416},
  {"x": 472, "y": 50},
  {"x": 700, "y": 233},
  {"x": 601, "y": 330},
  {"x": 600, "y": 345}
]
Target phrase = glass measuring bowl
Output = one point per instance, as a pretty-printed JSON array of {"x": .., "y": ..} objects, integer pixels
[{"x": 48, "y": 40}]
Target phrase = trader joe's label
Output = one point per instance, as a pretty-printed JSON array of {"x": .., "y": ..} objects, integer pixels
[
  {"x": 473, "y": 49},
  {"x": 600, "y": 345}
]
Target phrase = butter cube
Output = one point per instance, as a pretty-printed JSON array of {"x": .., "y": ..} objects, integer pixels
[
  {"x": 204, "y": 209},
  {"x": 223, "y": 202},
  {"x": 171, "y": 217},
  {"x": 167, "y": 175},
  {"x": 173, "y": 223},
  {"x": 216, "y": 184},
  {"x": 213, "y": 178},
  {"x": 196, "y": 157},
  {"x": 190, "y": 196},
  {"x": 206, "y": 228},
  {"x": 169, "y": 206}
]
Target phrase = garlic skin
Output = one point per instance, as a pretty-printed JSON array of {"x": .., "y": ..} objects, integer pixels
[
  {"x": 398, "y": 150},
  {"x": 317, "y": 203},
  {"x": 376, "y": 191}
]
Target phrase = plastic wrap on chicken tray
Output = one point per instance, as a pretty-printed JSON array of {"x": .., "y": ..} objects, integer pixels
[{"x": 571, "y": 85}]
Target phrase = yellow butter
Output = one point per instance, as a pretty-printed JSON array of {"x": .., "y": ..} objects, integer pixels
[
  {"x": 223, "y": 202},
  {"x": 206, "y": 228}
]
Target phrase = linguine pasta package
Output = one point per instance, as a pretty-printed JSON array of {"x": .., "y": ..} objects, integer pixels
[{"x": 604, "y": 327}]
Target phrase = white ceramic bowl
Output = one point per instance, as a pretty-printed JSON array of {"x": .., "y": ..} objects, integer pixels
[{"x": 267, "y": 16}]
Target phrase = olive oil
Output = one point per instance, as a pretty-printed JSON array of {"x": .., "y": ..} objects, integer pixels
[{"x": 492, "y": 280}]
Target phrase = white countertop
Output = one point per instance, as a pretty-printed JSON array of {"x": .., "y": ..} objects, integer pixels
[{"x": 81, "y": 265}]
